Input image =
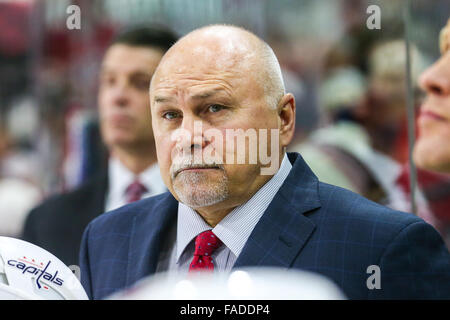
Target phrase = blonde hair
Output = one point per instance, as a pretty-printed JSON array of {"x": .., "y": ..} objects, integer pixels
[{"x": 444, "y": 38}]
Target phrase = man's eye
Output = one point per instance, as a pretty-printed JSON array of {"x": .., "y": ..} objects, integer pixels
[
  {"x": 141, "y": 84},
  {"x": 108, "y": 81},
  {"x": 215, "y": 108},
  {"x": 170, "y": 115}
]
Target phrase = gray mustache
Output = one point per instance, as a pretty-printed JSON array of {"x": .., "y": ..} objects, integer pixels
[{"x": 177, "y": 168}]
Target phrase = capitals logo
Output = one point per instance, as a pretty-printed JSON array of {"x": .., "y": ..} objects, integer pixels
[{"x": 33, "y": 268}]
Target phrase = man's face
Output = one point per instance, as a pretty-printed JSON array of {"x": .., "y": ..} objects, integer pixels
[
  {"x": 123, "y": 96},
  {"x": 191, "y": 90},
  {"x": 432, "y": 150}
]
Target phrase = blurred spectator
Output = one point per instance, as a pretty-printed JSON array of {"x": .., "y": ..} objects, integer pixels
[
  {"x": 432, "y": 150},
  {"x": 124, "y": 112},
  {"x": 17, "y": 197},
  {"x": 20, "y": 188},
  {"x": 18, "y": 191},
  {"x": 365, "y": 142}
]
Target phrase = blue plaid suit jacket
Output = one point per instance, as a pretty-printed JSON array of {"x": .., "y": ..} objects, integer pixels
[{"x": 309, "y": 225}]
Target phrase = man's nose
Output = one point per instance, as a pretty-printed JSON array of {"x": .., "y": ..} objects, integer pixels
[
  {"x": 435, "y": 81},
  {"x": 195, "y": 138},
  {"x": 120, "y": 96}
]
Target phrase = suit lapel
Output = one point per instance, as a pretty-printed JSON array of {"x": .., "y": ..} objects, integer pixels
[
  {"x": 148, "y": 233},
  {"x": 276, "y": 240},
  {"x": 95, "y": 203},
  {"x": 99, "y": 198},
  {"x": 283, "y": 230}
]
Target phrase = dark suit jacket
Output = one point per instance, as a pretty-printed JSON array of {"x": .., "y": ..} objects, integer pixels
[
  {"x": 58, "y": 223},
  {"x": 309, "y": 225}
]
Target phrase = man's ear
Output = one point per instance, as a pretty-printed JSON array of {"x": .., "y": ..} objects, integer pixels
[{"x": 286, "y": 115}]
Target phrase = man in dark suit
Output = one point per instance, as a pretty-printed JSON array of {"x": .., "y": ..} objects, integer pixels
[
  {"x": 128, "y": 65},
  {"x": 215, "y": 89}
]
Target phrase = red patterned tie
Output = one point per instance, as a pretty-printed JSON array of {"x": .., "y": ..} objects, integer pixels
[
  {"x": 205, "y": 244},
  {"x": 135, "y": 191}
]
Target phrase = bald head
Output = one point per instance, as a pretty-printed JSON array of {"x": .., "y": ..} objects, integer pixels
[
  {"x": 227, "y": 49},
  {"x": 215, "y": 88}
]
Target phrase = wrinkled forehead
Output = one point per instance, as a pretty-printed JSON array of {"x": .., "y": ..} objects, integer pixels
[
  {"x": 201, "y": 59},
  {"x": 209, "y": 60}
]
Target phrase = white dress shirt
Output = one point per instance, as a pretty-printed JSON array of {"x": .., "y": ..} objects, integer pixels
[
  {"x": 120, "y": 178},
  {"x": 233, "y": 230}
]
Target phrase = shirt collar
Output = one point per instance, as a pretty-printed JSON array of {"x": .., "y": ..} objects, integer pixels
[
  {"x": 236, "y": 227},
  {"x": 152, "y": 180},
  {"x": 120, "y": 178}
]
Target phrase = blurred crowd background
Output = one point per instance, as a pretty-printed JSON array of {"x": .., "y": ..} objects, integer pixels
[{"x": 350, "y": 83}]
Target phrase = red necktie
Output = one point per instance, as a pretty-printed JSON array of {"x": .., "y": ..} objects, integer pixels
[
  {"x": 135, "y": 191},
  {"x": 205, "y": 244}
]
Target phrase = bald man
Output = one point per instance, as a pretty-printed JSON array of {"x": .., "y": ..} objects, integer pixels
[{"x": 221, "y": 120}]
